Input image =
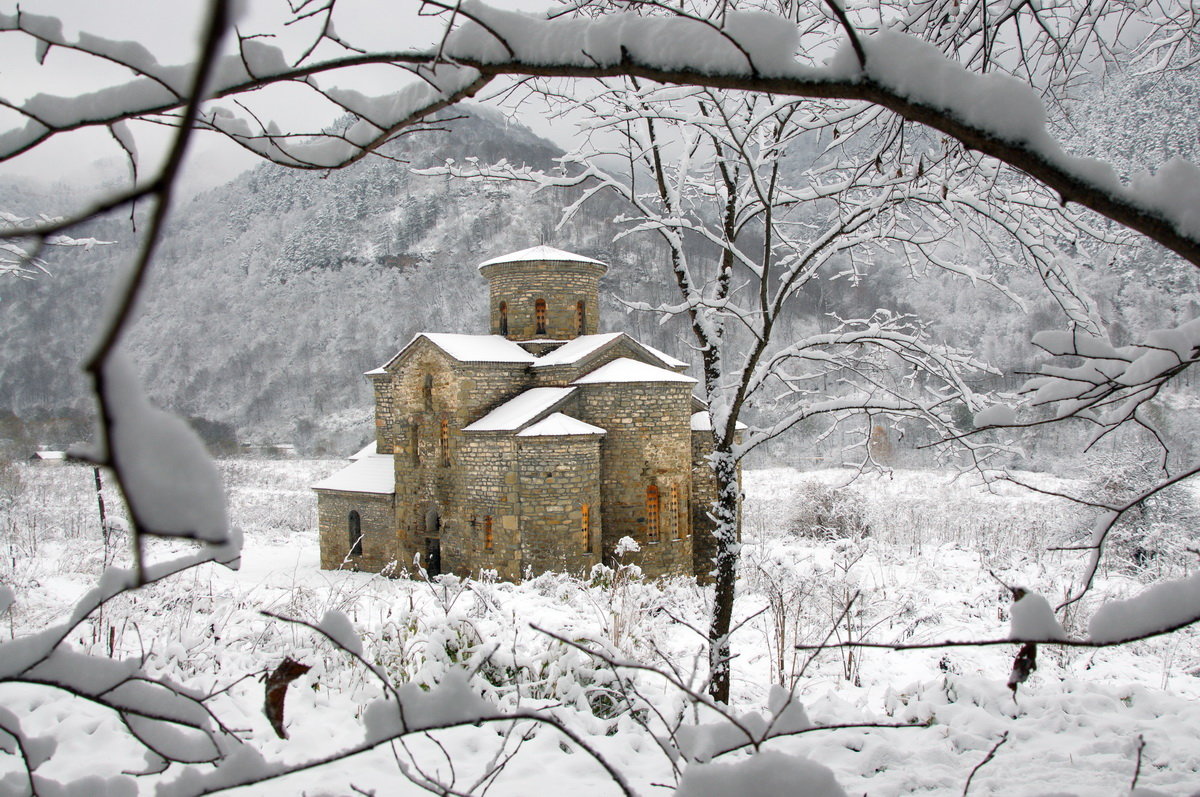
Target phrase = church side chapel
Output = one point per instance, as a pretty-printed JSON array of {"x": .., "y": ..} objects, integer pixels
[{"x": 535, "y": 448}]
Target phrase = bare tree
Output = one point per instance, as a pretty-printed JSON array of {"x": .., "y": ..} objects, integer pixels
[
  {"x": 963, "y": 99},
  {"x": 752, "y": 233}
]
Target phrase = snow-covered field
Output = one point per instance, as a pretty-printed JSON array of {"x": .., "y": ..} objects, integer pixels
[{"x": 905, "y": 558}]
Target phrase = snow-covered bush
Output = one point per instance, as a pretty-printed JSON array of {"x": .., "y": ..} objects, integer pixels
[
  {"x": 1157, "y": 538},
  {"x": 828, "y": 513}
]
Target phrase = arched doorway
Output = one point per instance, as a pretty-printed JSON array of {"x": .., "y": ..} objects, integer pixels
[{"x": 433, "y": 542}]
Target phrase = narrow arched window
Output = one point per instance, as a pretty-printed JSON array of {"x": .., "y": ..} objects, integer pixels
[
  {"x": 673, "y": 511},
  {"x": 580, "y": 317},
  {"x": 685, "y": 518},
  {"x": 414, "y": 434},
  {"x": 428, "y": 391},
  {"x": 585, "y": 527},
  {"x": 503, "y": 318},
  {"x": 354, "y": 533},
  {"x": 488, "y": 540},
  {"x": 539, "y": 315},
  {"x": 444, "y": 441},
  {"x": 652, "y": 513}
]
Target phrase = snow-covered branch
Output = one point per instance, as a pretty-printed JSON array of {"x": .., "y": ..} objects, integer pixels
[{"x": 756, "y": 52}]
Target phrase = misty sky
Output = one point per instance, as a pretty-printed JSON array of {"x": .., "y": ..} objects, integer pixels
[{"x": 170, "y": 31}]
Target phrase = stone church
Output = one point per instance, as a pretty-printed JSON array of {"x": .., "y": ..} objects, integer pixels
[{"x": 537, "y": 447}]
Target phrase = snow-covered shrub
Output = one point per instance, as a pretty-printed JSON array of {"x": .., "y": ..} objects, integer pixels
[
  {"x": 828, "y": 513},
  {"x": 1155, "y": 539}
]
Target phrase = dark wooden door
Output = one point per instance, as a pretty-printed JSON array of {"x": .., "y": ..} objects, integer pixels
[{"x": 433, "y": 556}]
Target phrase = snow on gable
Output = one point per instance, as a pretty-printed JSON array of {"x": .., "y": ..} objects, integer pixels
[
  {"x": 516, "y": 412},
  {"x": 373, "y": 473},
  {"x": 559, "y": 425},
  {"x": 575, "y": 350},
  {"x": 627, "y": 370},
  {"x": 662, "y": 355},
  {"x": 536, "y": 253},
  {"x": 585, "y": 345},
  {"x": 479, "y": 348},
  {"x": 469, "y": 348},
  {"x": 366, "y": 451}
]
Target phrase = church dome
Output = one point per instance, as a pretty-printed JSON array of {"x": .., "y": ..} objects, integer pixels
[{"x": 543, "y": 293}]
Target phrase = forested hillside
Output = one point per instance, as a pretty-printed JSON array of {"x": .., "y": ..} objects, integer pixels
[{"x": 271, "y": 295}]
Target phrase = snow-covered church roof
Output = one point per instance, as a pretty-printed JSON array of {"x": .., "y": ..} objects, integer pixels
[
  {"x": 577, "y": 349},
  {"x": 374, "y": 473},
  {"x": 624, "y": 369},
  {"x": 535, "y": 253},
  {"x": 518, "y": 411},
  {"x": 559, "y": 425},
  {"x": 468, "y": 349}
]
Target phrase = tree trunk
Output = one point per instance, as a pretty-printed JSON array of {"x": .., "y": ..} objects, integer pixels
[{"x": 725, "y": 508}]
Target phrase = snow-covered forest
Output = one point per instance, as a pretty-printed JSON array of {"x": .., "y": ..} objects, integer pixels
[{"x": 934, "y": 264}]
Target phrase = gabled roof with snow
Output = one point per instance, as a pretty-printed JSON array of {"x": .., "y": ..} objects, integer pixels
[
  {"x": 470, "y": 348},
  {"x": 662, "y": 355},
  {"x": 516, "y": 412},
  {"x": 559, "y": 425},
  {"x": 624, "y": 369},
  {"x": 374, "y": 473},
  {"x": 585, "y": 345},
  {"x": 366, "y": 451},
  {"x": 575, "y": 350},
  {"x": 535, "y": 253}
]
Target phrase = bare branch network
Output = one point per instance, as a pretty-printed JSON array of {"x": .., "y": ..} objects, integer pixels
[{"x": 931, "y": 64}]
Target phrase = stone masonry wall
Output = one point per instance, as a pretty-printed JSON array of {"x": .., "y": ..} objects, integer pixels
[
  {"x": 430, "y": 388},
  {"x": 376, "y": 513},
  {"x": 562, "y": 284},
  {"x": 385, "y": 415},
  {"x": 558, "y": 477},
  {"x": 488, "y": 487},
  {"x": 648, "y": 443}
]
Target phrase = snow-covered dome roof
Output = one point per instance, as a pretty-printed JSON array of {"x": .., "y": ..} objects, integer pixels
[{"x": 535, "y": 253}]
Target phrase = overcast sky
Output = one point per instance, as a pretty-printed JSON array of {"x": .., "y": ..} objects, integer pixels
[{"x": 170, "y": 30}]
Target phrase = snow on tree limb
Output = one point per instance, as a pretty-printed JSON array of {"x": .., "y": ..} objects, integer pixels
[{"x": 994, "y": 114}]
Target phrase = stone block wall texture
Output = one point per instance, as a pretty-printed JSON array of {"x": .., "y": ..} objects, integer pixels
[
  {"x": 385, "y": 412},
  {"x": 488, "y": 488},
  {"x": 557, "y": 477},
  {"x": 376, "y": 523},
  {"x": 561, "y": 284},
  {"x": 429, "y": 389},
  {"x": 648, "y": 442}
]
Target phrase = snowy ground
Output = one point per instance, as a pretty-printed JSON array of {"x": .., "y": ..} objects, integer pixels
[{"x": 914, "y": 551}]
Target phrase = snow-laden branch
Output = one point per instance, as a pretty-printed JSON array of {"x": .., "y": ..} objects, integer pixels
[
  {"x": 756, "y": 52},
  {"x": 1110, "y": 383}
]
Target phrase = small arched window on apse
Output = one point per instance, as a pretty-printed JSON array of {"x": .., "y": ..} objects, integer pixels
[
  {"x": 354, "y": 533},
  {"x": 503, "y": 318},
  {"x": 444, "y": 441},
  {"x": 585, "y": 527},
  {"x": 427, "y": 391},
  {"x": 539, "y": 316},
  {"x": 652, "y": 513},
  {"x": 580, "y": 316},
  {"x": 676, "y": 519},
  {"x": 488, "y": 539}
]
